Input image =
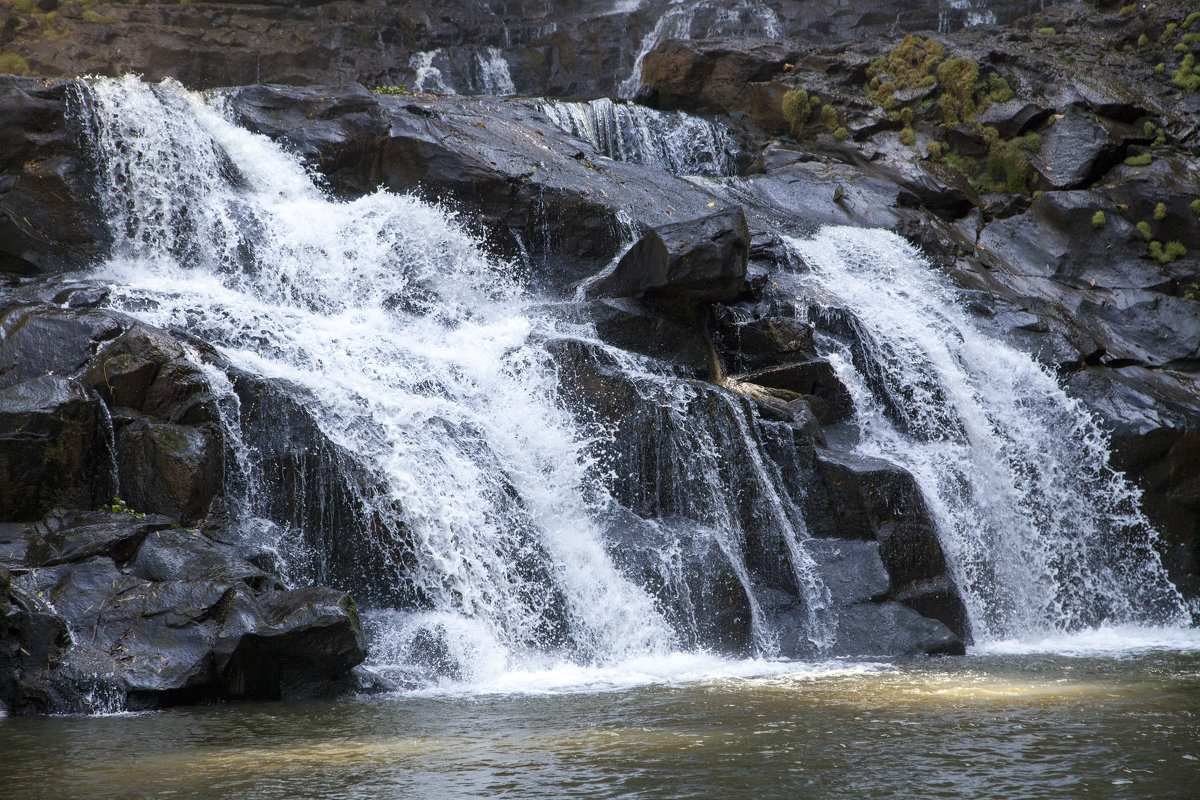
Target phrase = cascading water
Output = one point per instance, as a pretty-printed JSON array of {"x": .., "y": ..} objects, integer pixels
[
  {"x": 673, "y": 141},
  {"x": 1042, "y": 535},
  {"x": 409, "y": 348},
  {"x": 692, "y": 19}
]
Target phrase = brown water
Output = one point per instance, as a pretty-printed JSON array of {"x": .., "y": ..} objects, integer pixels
[{"x": 1023, "y": 726}]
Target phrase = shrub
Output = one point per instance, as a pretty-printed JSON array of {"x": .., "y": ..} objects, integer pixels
[
  {"x": 998, "y": 89},
  {"x": 842, "y": 134},
  {"x": 1167, "y": 31},
  {"x": 1184, "y": 77},
  {"x": 1143, "y": 228},
  {"x": 1143, "y": 40},
  {"x": 1160, "y": 68},
  {"x": 1191, "y": 18},
  {"x": 934, "y": 149},
  {"x": 1099, "y": 220},
  {"x": 1007, "y": 165},
  {"x": 908, "y": 137},
  {"x": 1140, "y": 160},
  {"x": 959, "y": 78},
  {"x": 1195, "y": 206},
  {"x": 797, "y": 109},
  {"x": 829, "y": 115},
  {"x": 1160, "y": 212}
]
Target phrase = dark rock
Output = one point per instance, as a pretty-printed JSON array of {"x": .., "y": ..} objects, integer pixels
[
  {"x": 55, "y": 449},
  {"x": 49, "y": 220},
  {"x": 852, "y": 570},
  {"x": 41, "y": 339},
  {"x": 891, "y": 629},
  {"x": 815, "y": 380},
  {"x": 699, "y": 259},
  {"x": 174, "y": 470},
  {"x": 1075, "y": 151},
  {"x": 640, "y": 327},
  {"x": 749, "y": 343},
  {"x": 32, "y": 640},
  {"x": 711, "y": 75},
  {"x": 1013, "y": 117}
]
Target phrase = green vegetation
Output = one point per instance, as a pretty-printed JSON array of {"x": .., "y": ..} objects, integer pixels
[
  {"x": 1195, "y": 206},
  {"x": 1165, "y": 255},
  {"x": 1126, "y": 10},
  {"x": 1047, "y": 31},
  {"x": 1191, "y": 19},
  {"x": 909, "y": 65},
  {"x": 1099, "y": 220},
  {"x": 118, "y": 507},
  {"x": 908, "y": 137},
  {"x": 841, "y": 134},
  {"x": 13, "y": 64},
  {"x": 1004, "y": 169},
  {"x": 1185, "y": 77},
  {"x": 1143, "y": 40},
  {"x": 1160, "y": 212},
  {"x": 797, "y": 109},
  {"x": 959, "y": 78},
  {"x": 1160, "y": 68},
  {"x": 1144, "y": 229},
  {"x": 829, "y": 115},
  {"x": 401, "y": 89},
  {"x": 1140, "y": 160},
  {"x": 1167, "y": 31}
]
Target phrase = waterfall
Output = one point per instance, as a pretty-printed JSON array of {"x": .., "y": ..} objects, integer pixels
[
  {"x": 428, "y": 77},
  {"x": 491, "y": 73},
  {"x": 699, "y": 19},
  {"x": 674, "y": 141},
  {"x": 409, "y": 348},
  {"x": 1042, "y": 535}
]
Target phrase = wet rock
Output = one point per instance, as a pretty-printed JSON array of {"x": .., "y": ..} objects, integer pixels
[
  {"x": 49, "y": 220},
  {"x": 747, "y": 342},
  {"x": 168, "y": 469},
  {"x": 1075, "y": 151},
  {"x": 815, "y": 380},
  {"x": 891, "y": 629},
  {"x": 39, "y": 339},
  {"x": 641, "y": 327},
  {"x": 852, "y": 570},
  {"x": 711, "y": 75},
  {"x": 55, "y": 448},
  {"x": 1012, "y": 117},
  {"x": 698, "y": 259},
  {"x": 32, "y": 640}
]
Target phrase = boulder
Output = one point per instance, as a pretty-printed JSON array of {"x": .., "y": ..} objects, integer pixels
[
  {"x": 892, "y": 629},
  {"x": 1075, "y": 151},
  {"x": 698, "y": 259},
  {"x": 814, "y": 380},
  {"x": 55, "y": 448},
  {"x": 748, "y": 342},
  {"x": 174, "y": 470}
]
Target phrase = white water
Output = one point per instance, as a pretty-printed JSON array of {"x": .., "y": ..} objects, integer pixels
[
  {"x": 699, "y": 19},
  {"x": 428, "y": 77},
  {"x": 674, "y": 141},
  {"x": 421, "y": 357},
  {"x": 491, "y": 73},
  {"x": 1042, "y": 536}
]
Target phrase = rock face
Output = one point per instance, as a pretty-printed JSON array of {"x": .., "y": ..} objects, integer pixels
[
  {"x": 1027, "y": 184},
  {"x": 701, "y": 259},
  {"x": 121, "y": 608}
]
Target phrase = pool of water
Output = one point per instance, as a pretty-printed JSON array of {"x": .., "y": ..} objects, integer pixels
[{"x": 988, "y": 725}]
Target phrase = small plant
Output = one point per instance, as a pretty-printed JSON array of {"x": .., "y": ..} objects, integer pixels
[
  {"x": 1160, "y": 68},
  {"x": 841, "y": 134},
  {"x": 1160, "y": 212},
  {"x": 1180, "y": 47},
  {"x": 1191, "y": 19},
  {"x": 1167, "y": 31},
  {"x": 1185, "y": 77},
  {"x": 1140, "y": 160},
  {"x": 1143, "y": 40},
  {"x": 829, "y": 116},
  {"x": 401, "y": 89},
  {"x": 1126, "y": 10},
  {"x": 1099, "y": 220},
  {"x": 1047, "y": 31},
  {"x": 906, "y": 116},
  {"x": 934, "y": 149},
  {"x": 1193, "y": 292},
  {"x": 959, "y": 78},
  {"x": 1195, "y": 206},
  {"x": 908, "y": 137},
  {"x": 1167, "y": 254},
  {"x": 1143, "y": 228},
  {"x": 118, "y": 506}
]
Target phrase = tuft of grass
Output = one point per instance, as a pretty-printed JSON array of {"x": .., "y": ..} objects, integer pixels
[
  {"x": 1143, "y": 40},
  {"x": 908, "y": 137},
  {"x": 1160, "y": 68},
  {"x": 1160, "y": 212},
  {"x": 1099, "y": 220},
  {"x": 959, "y": 79},
  {"x": 1167, "y": 254},
  {"x": 841, "y": 134},
  {"x": 1195, "y": 206},
  {"x": 1191, "y": 19},
  {"x": 1185, "y": 77},
  {"x": 1047, "y": 31},
  {"x": 1126, "y": 10},
  {"x": 1140, "y": 160},
  {"x": 401, "y": 89},
  {"x": 1143, "y": 228},
  {"x": 829, "y": 115},
  {"x": 797, "y": 109}
]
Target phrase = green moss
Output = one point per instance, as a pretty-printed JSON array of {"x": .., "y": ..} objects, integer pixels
[
  {"x": 1160, "y": 212},
  {"x": 1191, "y": 38},
  {"x": 401, "y": 89},
  {"x": 1143, "y": 228},
  {"x": 13, "y": 64},
  {"x": 1149, "y": 128},
  {"x": 23, "y": 6},
  {"x": 1047, "y": 31},
  {"x": 1191, "y": 19},
  {"x": 906, "y": 116},
  {"x": 910, "y": 64},
  {"x": 1184, "y": 77},
  {"x": 1160, "y": 68},
  {"x": 1180, "y": 48},
  {"x": 1126, "y": 10},
  {"x": 1140, "y": 160},
  {"x": 1007, "y": 164},
  {"x": 829, "y": 116},
  {"x": 1195, "y": 206},
  {"x": 1143, "y": 40},
  {"x": 908, "y": 137},
  {"x": 842, "y": 134},
  {"x": 1167, "y": 254},
  {"x": 1099, "y": 220}
]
